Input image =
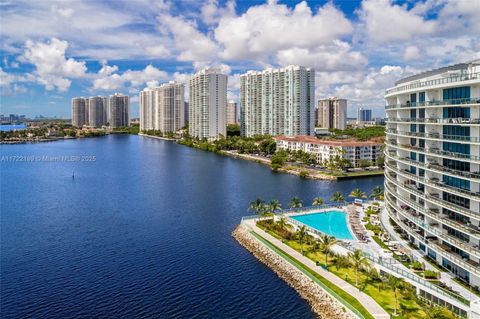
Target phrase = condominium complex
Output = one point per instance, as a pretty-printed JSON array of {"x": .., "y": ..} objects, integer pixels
[
  {"x": 432, "y": 172},
  {"x": 325, "y": 150},
  {"x": 232, "y": 117},
  {"x": 364, "y": 115},
  {"x": 207, "y": 104},
  {"x": 119, "y": 107},
  {"x": 97, "y": 111},
  {"x": 332, "y": 113},
  {"x": 278, "y": 101},
  {"x": 79, "y": 111},
  {"x": 162, "y": 108}
]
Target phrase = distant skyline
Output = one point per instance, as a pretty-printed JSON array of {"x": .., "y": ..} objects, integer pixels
[{"x": 52, "y": 51}]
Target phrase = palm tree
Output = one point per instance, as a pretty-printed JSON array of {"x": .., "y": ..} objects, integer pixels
[
  {"x": 326, "y": 244},
  {"x": 337, "y": 197},
  {"x": 317, "y": 201},
  {"x": 377, "y": 192},
  {"x": 358, "y": 261},
  {"x": 357, "y": 193},
  {"x": 302, "y": 234},
  {"x": 282, "y": 223},
  {"x": 341, "y": 261},
  {"x": 395, "y": 283},
  {"x": 257, "y": 206},
  {"x": 296, "y": 202},
  {"x": 274, "y": 205}
]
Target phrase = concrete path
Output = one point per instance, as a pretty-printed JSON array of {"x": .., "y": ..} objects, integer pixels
[{"x": 368, "y": 302}]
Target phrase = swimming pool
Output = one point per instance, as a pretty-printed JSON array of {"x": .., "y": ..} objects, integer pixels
[{"x": 333, "y": 223}]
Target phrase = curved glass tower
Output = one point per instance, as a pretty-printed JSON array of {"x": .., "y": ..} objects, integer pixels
[{"x": 432, "y": 165}]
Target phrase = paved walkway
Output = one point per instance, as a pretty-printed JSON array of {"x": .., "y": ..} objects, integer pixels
[
  {"x": 445, "y": 277},
  {"x": 368, "y": 302}
]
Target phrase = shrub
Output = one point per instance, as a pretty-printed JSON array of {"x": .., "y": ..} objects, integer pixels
[
  {"x": 303, "y": 174},
  {"x": 430, "y": 274},
  {"x": 417, "y": 265}
]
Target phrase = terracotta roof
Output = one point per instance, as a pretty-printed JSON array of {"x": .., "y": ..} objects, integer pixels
[{"x": 314, "y": 140}]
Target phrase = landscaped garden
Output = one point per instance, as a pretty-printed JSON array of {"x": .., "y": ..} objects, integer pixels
[{"x": 393, "y": 294}]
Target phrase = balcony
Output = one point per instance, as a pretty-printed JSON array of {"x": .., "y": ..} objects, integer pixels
[
  {"x": 441, "y": 103},
  {"x": 434, "y": 182},
  {"x": 435, "y": 136},
  {"x": 424, "y": 84},
  {"x": 443, "y": 121},
  {"x": 436, "y": 230},
  {"x": 436, "y": 168},
  {"x": 437, "y": 152}
]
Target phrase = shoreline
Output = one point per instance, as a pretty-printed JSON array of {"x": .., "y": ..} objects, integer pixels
[
  {"x": 322, "y": 304},
  {"x": 158, "y": 137}
]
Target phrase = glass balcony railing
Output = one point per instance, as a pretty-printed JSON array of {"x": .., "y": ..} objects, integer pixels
[
  {"x": 457, "y": 120},
  {"x": 440, "y": 170},
  {"x": 446, "y": 80},
  {"x": 473, "y": 100},
  {"x": 437, "y": 152},
  {"x": 434, "y": 182},
  {"x": 469, "y": 265},
  {"x": 436, "y": 136},
  {"x": 435, "y": 230}
]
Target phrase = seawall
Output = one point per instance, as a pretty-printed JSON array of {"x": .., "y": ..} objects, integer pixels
[{"x": 322, "y": 304}]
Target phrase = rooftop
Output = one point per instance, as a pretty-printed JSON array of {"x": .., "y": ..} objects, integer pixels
[
  {"x": 314, "y": 140},
  {"x": 446, "y": 69}
]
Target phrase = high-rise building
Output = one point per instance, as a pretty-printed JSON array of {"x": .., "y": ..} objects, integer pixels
[
  {"x": 278, "y": 101},
  {"x": 332, "y": 113},
  {"x": 119, "y": 107},
  {"x": 364, "y": 115},
  {"x": 97, "y": 114},
  {"x": 432, "y": 179},
  {"x": 232, "y": 117},
  {"x": 79, "y": 106},
  {"x": 207, "y": 104},
  {"x": 185, "y": 112},
  {"x": 162, "y": 108}
]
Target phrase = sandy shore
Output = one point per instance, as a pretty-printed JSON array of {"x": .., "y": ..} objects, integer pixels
[{"x": 322, "y": 304}]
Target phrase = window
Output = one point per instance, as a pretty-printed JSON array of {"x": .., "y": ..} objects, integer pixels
[
  {"x": 456, "y": 147},
  {"x": 456, "y": 93},
  {"x": 456, "y": 165},
  {"x": 421, "y": 97},
  {"x": 454, "y": 112},
  {"x": 421, "y": 113},
  {"x": 456, "y": 130},
  {"x": 456, "y": 182},
  {"x": 413, "y": 98}
]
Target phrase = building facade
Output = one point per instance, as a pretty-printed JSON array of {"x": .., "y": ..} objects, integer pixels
[
  {"x": 207, "y": 104},
  {"x": 432, "y": 169},
  {"x": 232, "y": 117},
  {"x": 162, "y": 108},
  {"x": 332, "y": 113},
  {"x": 79, "y": 111},
  {"x": 325, "y": 150},
  {"x": 364, "y": 115},
  {"x": 97, "y": 111},
  {"x": 278, "y": 101},
  {"x": 119, "y": 107}
]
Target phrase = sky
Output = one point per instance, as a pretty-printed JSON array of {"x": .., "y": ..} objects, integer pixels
[{"x": 52, "y": 51}]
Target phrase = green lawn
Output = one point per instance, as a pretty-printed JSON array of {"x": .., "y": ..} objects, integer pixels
[
  {"x": 382, "y": 294},
  {"x": 346, "y": 298}
]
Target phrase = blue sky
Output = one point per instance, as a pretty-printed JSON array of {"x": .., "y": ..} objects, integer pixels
[{"x": 52, "y": 51}]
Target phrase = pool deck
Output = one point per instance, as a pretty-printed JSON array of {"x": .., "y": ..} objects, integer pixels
[{"x": 368, "y": 302}]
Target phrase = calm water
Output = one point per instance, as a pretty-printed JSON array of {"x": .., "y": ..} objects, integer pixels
[
  {"x": 333, "y": 223},
  {"x": 142, "y": 231},
  {"x": 12, "y": 127}
]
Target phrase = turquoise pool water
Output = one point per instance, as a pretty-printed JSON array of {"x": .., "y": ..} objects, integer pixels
[{"x": 333, "y": 223}]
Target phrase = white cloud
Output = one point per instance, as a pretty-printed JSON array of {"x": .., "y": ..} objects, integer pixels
[
  {"x": 192, "y": 44},
  {"x": 335, "y": 57},
  {"x": 265, "y": 29},
  {"x": 212, "y": 12},
  {"x": 385, "y": 21},
  {"x": 52, "y": 68},
  {"x": 109, "y": 80},
  {"x": 411, "y": 53}
]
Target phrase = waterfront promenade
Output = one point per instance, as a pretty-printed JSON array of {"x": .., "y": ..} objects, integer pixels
[{"x": 368, "y": 302}]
